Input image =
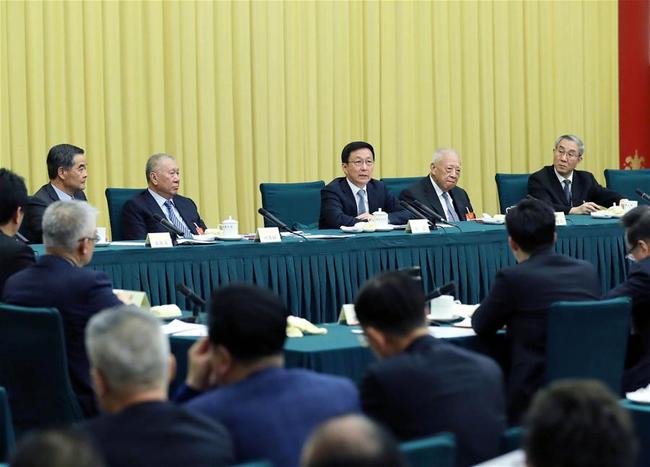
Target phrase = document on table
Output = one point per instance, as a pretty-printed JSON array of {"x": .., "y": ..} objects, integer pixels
[
  {"x": 446, "y": 332},
  {"x": 181, "y": 328}
]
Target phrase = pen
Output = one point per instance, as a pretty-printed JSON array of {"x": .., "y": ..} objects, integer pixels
[{"x": 199, "y": 230}]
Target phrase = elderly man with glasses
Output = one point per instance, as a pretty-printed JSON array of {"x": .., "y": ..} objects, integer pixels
[
  {"x": 353, "y": 198},
  {"x": 566, "y": 189},
  {"x": 59, "y": 280}
]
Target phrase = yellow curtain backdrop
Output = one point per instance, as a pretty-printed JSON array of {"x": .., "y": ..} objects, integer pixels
[{"x": 246, "y": 92}]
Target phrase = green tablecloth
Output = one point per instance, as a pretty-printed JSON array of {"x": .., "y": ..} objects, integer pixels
[{"x": 316, "y": 277}]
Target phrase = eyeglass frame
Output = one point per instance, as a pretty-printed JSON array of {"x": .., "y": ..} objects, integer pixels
[
  {"x": 568, "y": 154},
  {"x": 359, "y": 162},
  {"x": 95, "y": 239}
]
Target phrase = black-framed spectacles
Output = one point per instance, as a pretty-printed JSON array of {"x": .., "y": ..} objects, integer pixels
[{"x": 94, "y": 239}]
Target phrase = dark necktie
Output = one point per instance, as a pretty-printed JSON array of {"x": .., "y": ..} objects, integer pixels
[
  {"x": 567, "y": 190},
  {"x": 179, "y": 224}
]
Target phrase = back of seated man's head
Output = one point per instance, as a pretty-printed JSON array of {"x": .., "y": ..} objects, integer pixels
[
  {"x": 129, "y": 353},
  {"x": 56, "y": 448},
  {"x": 579, "y": 423},
  {"x": 351, "y": 440},
  {"x": 531, "y": 224},
  {"x": 66, "y": 223},
  {"x": 637, "y": 227},
  {"x": 249, "y": 321},
  {"x": 13, "y": 195},
  {"x": 392, "y": 302}
]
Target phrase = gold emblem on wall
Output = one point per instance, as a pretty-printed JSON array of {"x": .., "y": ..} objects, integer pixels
[{"x": 634, "y": 162}]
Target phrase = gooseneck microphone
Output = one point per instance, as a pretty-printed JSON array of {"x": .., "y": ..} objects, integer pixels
[
  {"x": 406, "y": 205},
  {"x": 445, "y": 289},
  {"x": 171, "y": 228},
  {"x": 278, "y": 223},
  {"x": 197, "y": 302},
  {"x": 427, "y": 210},
  {"x": 642, "y": 194}
]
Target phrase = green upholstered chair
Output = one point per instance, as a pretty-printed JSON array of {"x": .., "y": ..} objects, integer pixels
[
  {"x": 511, "y": 439},
  {"x": 511, "y": 188},
  {"x": 435, "y": 451},
  {"x": 396, "y": 185},
  {"x": 626, "y": 182},
  {"x": 7, "y": 438},
  {"x": 295, "y": 204},
  {"x": 641, "y": 418},
  {"x": 34, "y": 368},
  {"x": 116, "y": 197},
  {"x": 588, "y": 339}
]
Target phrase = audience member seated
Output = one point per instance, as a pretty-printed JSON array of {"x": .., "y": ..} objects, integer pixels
[
  {"x": 352, "y": 440},
  {"x": 67, "y": 171},
  {"x": 56, "y": 448},
  {"x": 423, "y": 385},
  {"x": 637, "y": 286},
  {"x": 59, "y": 280},
  {"x": 269, "y": 410},
  {"x": 14, "y": 254},
  {"x": 131, "y": 367},
  {"x": 160, "y": 198},
  {"x": 579, "y": 424},
  {"x": 521, "y": 295},
  {"x": 353, "y": 198},
  {"x": 566, "y": 189},
  {"x": 439, "y": 190}
]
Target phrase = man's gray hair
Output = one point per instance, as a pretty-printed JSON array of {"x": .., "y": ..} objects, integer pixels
[
  {"x": 153, "y": 162},
  {"x": 442, "y": 152},
  {"x": 128, "y": 348},
  {"x": 575, "y": 139},
  {"x": 66, "y": 222}
]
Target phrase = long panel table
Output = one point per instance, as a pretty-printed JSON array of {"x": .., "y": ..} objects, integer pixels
[{"x": 316, "y": 277}]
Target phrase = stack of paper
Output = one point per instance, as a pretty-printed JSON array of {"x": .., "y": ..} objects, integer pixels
[{"x": 181, "y": 328}]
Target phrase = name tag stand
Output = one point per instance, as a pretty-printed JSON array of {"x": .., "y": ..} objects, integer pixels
[
  {"x": 348, "y": 315},
  {"x": 418, "y": 226},
  {"x": 159, "y": 240},
  {"x": 268, "y": 235}
]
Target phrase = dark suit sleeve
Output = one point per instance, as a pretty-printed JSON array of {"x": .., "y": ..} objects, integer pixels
[
  {"x": 495, "y": 309},
  {"x": 331, "y": 210},
  {"x": 195, "y": 217},
  {"x": 32, "y": 227},
  {"x": 134, "y": 226},
  {"x": 100, "y": 293},
  {"x": 396, "y": 214},
  {"x": 373, "y": 398},
  {"x": 601, "y": 195},
  {"x": 539, "y": 190},
  {"x": 636, "y": 285}
]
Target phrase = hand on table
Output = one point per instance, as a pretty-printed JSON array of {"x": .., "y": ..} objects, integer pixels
[{"x": 585, "y": 208}]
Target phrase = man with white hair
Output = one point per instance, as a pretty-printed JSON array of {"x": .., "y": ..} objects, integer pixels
[
  {"x": 131, "y": 367},
  {"x": 439, "y": 191},
  {"x": 59, "y": 280}
]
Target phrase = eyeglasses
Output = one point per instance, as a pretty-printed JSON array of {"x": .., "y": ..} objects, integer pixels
[
  {"x": 629, "y": 255},
  {"x": 94, "y": 239},
  {"x": 569, "y": 154},
  {"x": 359, "y": 162}
]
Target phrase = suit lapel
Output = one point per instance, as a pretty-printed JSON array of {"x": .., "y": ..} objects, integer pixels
[
  {"x": 350, "y": 206},
  {"x": 180, "y": 207},
  {"x": 460, "y": 210},
  {"x": 51, "y": 193},
  {"x": 431, "y": 197},
  {"x": 556, "y": 186},
  {"x": 152, "y": 206}
]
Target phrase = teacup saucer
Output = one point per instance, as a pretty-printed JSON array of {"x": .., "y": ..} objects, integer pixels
[{"x": 230, "y": 238}]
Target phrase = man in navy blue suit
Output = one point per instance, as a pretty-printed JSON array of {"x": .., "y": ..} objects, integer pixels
[
  {"x": 353, "y": 198},
  {"x": 237, "y": 377},
  {"x": 566, "y": 189},
  {"x": 637, "y": 287},
  {"x": 422, "y": 385},
  {"x": 59, "y": 280},
  {"x": 522, "y": 294},
  {"x": 131, "y": 367},
  {"x": 160, "y": 198}
]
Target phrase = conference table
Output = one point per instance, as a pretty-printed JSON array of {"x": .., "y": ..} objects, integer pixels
[{"x": 316, "y": 277}]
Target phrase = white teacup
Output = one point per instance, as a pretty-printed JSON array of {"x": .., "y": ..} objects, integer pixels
[
  {"x": 101, "y": 233},
  {"x": 229, "y": 227},
  {"x": 442, "y": 307},
  {"x": 380, "y": 218},
  {"x": 628, "y": 204}
]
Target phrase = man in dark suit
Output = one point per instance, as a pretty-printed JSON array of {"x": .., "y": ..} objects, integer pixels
[
  {"x": 522, "y": 294},
  {"x": 14, "y": 254},
  {"x": 269, "y": 410},
  {"x": 439, "y": 191},
  {"x": 131, "y": 368},
  {"x": 566, "y": 189},
  {"x": 161, "y": 198},
  {"x": 59, "y": 280},
  {"x": 637, "y": 287},
  {"x": 66, "y": 168},
  {"x": 423, "y": 385},
  {"x": 353, "y": 198}
]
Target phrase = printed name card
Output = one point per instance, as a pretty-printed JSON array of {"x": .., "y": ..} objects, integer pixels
[
  {"x": 133, "y": 297},
  {"x": 268, "y": 235},
  {"x": 159, "y": 240},
  {"x": 560, "y": 218},
  {"x": 418, "y": 226},
  {"x": 348, "y": 315}
]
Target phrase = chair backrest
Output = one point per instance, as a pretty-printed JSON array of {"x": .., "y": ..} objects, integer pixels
[
  {"x": 588, "y": 340},
  {"x": 435, "y": 451},
  {"x": 641, "y": 418},
  {"x": 295, "y": 204},
  {"x": 7, "y": 437},
  {"x": 34, "y": 368},
  {"x": 116, "y": 197},
  {"x": 626, "y": 182},
  {"x": 396, "y": 185},
  {"x": 511, "y": 439},
  {"x": 511, "y": 188}
]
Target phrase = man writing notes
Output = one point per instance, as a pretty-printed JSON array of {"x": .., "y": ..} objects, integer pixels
[
  {"x": 353, "y": 198},
  {"x": 439, "y": 190},
  {"x": 566, "y": 189},
  {"x": 160, "y": 198}
]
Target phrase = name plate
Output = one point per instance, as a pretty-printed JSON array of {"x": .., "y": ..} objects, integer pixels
[
  {"x": 268, "y": 235},
  {"x": 159, "y": 240},
  {"x": 418, "y": 226},
  {"x": 348, "y": 315},
  {"x": 560, "y": 218},
  {"x": 133, "y": 297}
]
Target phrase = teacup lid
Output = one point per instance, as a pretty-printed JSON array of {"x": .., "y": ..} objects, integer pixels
[{"x": 230, "y": 220}]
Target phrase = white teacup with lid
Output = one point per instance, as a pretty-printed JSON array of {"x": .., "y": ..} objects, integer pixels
[
  {"x": 229, "y": 227},
  {"x": 380, "y": 218},
  {"x": 442, "y": 307}
]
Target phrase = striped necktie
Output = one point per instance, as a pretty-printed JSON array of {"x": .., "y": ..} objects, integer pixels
[
  {"x": 451, "y": 212},
  {"x": 179, "y": 224}
]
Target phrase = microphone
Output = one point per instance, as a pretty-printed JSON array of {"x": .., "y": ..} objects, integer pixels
[
  {"x": 643, "y": 195},
  {"x": 427, "y": 210},
  {"x": 277, "y": 222},
  {"x": 20, "y": 237},
  {"x": 190, "y": 294},
  {"x": 171, "y": 228},
  {"x": 445, "y": 289},
  {"x": 405, "y": 204}
]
